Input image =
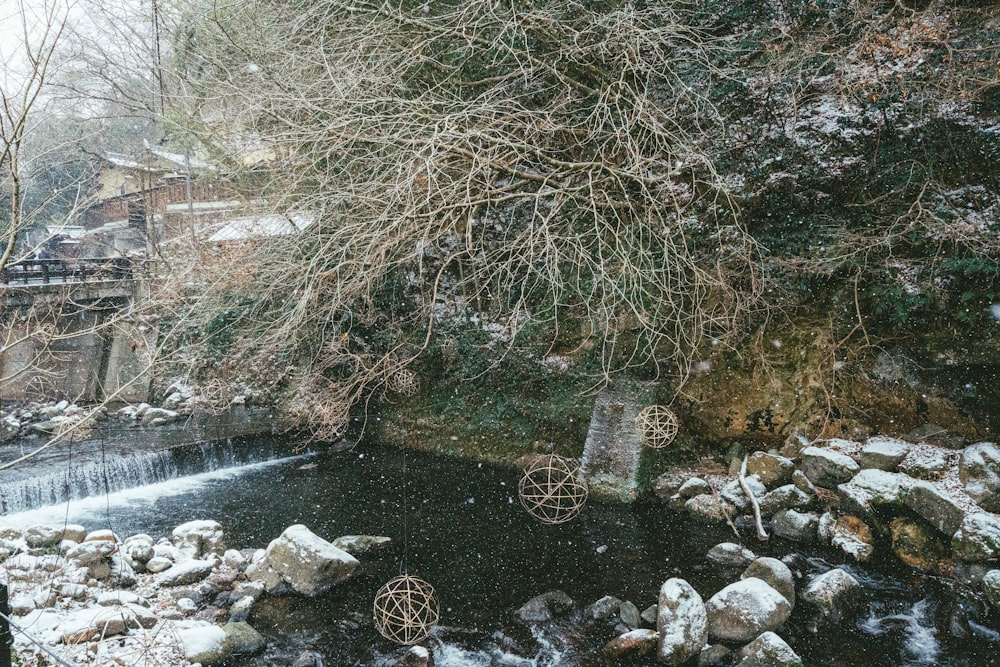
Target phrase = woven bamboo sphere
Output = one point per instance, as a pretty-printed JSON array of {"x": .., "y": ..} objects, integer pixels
[
  {"x": 552, "y": 489},
  {"x": 656, "y": 426},
  {"x": 404, "y": 382},
  {"x": 405, "y": 610}
]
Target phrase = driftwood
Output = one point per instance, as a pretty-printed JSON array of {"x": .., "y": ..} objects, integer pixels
[{"x": 761, "y": 533}]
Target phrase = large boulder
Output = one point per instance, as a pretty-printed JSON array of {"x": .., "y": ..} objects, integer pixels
[
  {"x": 772, "y": 470},
  {"x": 710, "y": 508},
  {"x": 884, "y": 453},
  {"x": 787, "y": 497},
  {"x": 978, "y": 538},
  {"x": 543, "y": 608},
  {"x": 853, "y": 536},
  {"x": 827, "y": 468},
  {"x": 768, "y": 650},
  {"x": 979, "y": 470},
  {"x": 775, "y": 574},
  {"x": 302, "y": 561},
  {"x": 195, "y": 539},
  {"x": 184, "y": 573},
  {"x": 991, "y": 588},
  {"x": 631, "y": 644},
  {"x": 730, "y": 554},
  {"x": 917, "y": 543},
  {"x": 681, "y": 622},
  {"x": 834, "y": 593},
  {"x": 743, "y": 610},
  {"x": 936, "y": 506},
  {"x": 795, "y": 526}
]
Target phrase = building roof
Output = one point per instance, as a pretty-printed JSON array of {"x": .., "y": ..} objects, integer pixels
[{"x": 258, "y": 226}]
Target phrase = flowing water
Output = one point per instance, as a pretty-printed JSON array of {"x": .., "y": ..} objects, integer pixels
[{"x": 460, "y": 526}]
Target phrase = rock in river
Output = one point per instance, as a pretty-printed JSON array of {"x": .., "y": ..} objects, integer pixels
[
  {"x": 681, "y": 622},
  {"x": 743, "y": 610},
  {"x": 303, "y": 561}
]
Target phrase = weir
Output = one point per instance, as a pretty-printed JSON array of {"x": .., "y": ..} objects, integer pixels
[{"x": 125, "y": 458}]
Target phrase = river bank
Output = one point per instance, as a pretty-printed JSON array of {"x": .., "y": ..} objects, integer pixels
[{"x": 459, "y": 526}]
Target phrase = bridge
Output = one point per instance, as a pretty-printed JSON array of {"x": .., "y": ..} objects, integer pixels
[
  {"x": 37, "y": 272},
  {"x": 90, "y": 351}
]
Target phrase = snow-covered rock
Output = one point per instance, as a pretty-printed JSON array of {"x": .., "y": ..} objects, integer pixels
[
  {"x": 681, "y": 622},
  {"x": 795, "y": 526},
  {"x": 884, "y": 453},
  {"x": 303, "y": 561},
  {"x": 710, "y": 508},
  {"x": 201, "y": 641},
  {"x": 977, "y": 538},
  {"x": 771, "y": 469},
  {"x": 787, "y": 497},
  {"x": 744, "y": 609},
  {"x": 733, "y": 492},
  {"x": 833, "y": 593},
  {"x": 775, "y": 574},
  {"x": 826, "y": 467},
  {"x": 632, "y": 644},
  {"x": 183, "y": 573},
  {"x": 90, "y": 553},
  {"x": 695, "y": 486},
  {"x": 991, "y": 588},
  {"x": 936, "y": 506},
  {"x": 194, "y": 539},
  {"x": 41, "y": 535},
  {"x": 854, "y": 537},
  {"x": 730, "y": 554},
  {"x": 979, "y": 470},
  {"x": 768, "y": 650}
]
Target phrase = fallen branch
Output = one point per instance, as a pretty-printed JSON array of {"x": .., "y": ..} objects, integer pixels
[{"x": 761, "y": 533}]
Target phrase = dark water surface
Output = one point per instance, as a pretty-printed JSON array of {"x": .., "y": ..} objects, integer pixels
[{"x": 460, "y": 526}]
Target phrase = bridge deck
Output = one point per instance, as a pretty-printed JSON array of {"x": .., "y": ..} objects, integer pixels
[{"x": 42, "y": 272}]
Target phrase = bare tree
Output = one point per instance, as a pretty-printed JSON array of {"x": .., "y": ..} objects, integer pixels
[
  {"x": 25, "y": 74},
  {"x": 512, "y": 163}
]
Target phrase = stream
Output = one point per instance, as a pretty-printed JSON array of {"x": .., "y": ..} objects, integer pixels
[{"x": 459, "y": 525}]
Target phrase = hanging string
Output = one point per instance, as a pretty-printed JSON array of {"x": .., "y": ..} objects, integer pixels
[
  {"x": 34, "y": 641},
  {"x": 406, "y": 509}
]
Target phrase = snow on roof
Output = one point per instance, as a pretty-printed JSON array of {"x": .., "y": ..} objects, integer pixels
[
  {"x": 256, "y": 226},
  {"x": 70, "y": 231},
  {"x": 177, "y": 159},
  {"x": 122, "y": 160},
  {"x": 180, "y": 159}
]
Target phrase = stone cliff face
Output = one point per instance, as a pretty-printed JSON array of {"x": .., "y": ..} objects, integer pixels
[{"x": 860, "y": 140}]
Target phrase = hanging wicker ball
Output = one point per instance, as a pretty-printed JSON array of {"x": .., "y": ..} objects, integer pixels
[
  {"x": 405, "y": 610},
  {"x": 552, "y": 489},
  {"x": 404, "y": 382},
  {"x": 656, "y": 426}
]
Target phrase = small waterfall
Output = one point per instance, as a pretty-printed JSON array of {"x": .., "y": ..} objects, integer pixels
[
  {"x": 920, "y": 647},
  {"x": 83, "y": 470}
]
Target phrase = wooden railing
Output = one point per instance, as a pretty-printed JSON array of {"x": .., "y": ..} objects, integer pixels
[{"x": 62, "y": 271}]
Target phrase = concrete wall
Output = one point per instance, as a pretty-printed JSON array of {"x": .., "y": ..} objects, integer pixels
[{"x": 65, "y": 345}]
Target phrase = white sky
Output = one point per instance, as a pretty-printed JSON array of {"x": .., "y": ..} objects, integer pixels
[{"x": 23, "y": 23}]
